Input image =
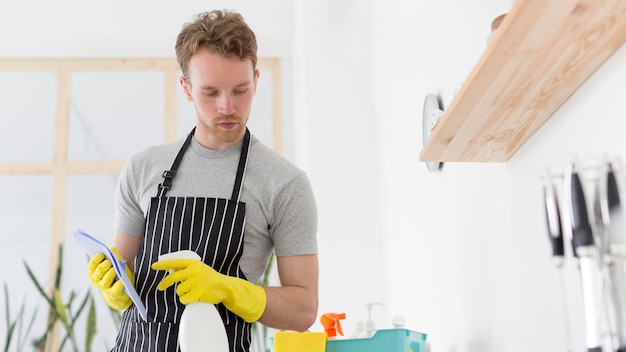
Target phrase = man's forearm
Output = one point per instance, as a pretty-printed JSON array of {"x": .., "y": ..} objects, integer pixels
[{"x": 290, "y": 308}]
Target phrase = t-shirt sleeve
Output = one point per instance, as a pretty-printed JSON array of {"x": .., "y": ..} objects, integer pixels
[
  {"x": 129, "y": 218},
  {"x": 294, "y": 230}
]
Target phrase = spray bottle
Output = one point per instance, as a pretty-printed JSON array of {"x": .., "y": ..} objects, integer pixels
[
  {"x": 200, "y": 321},
  {"x": 331, "y": 324}
]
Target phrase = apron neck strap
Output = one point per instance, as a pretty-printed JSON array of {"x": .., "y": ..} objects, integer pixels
[
  {"x": 168, "y": 175},
  {"x": 241, "y": 168}
]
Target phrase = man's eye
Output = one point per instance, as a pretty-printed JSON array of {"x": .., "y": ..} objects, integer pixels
[
  {"x": 210, "y": 94},
  {"x": 240, "y": 91}
]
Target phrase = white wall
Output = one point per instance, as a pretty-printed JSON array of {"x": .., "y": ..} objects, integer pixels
[
  {"x": 140, "y": 28},
  {"x": 463, "y": 254},
  {"x": 467, "y": 250},
  {"x": 342, "y": 155},
  {"x": 466, "y": 254}
]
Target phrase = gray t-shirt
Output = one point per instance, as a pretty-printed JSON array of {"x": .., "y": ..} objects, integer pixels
[{"x": 281, "y": 212}]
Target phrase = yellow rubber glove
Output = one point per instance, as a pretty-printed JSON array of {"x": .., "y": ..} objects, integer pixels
[
  {"x": 103, "y": 276},
  {"x": 199, "y": 282}
]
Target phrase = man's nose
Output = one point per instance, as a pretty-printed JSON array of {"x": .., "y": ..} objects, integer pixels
[{"x": 226, "y": 105}]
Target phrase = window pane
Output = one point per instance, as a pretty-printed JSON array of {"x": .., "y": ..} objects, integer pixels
[
  {"x": 261, "y": 122},
  {"x": 114, "y": 114},
  {"x": 89, "y": 207},
  {"x": 28, "y": 115},
  {"x": 25, "y": 231}
]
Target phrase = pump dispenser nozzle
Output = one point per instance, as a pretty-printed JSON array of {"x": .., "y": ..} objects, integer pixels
[
  {"x": 331, "y": 324},
  {"x": 370, "y": 326}
]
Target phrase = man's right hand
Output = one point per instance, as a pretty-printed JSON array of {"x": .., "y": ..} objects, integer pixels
[{"x": 103, "y": 276}]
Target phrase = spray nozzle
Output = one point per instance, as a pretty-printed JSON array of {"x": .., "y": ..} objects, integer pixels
[{"x": 331, "y": 324}]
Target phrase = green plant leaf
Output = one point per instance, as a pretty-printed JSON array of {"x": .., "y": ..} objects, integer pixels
[
  {"x": 37, "y": 285},
  {"x": 65, "y": 312},
  {"x": 53, "y": 314},
  {"x": 265, "y": 279},
  {"x": 65, "y": 339},
  {"x": 59, "y": 270},
  {"x": 82, "y": 306},
  {"x": 90, "y": 332},
  {"x": 71, "y": 323},
  {"x": 14, "y": 326},
  {"x": 21, "y": 343},
  {"x": 6, "y": 303},
  {"x": 71, "y": 299},
  {"x": 10, "y": 331},
  {"x": 8, "y": 318},
  {"x": 59, "y": 306}
]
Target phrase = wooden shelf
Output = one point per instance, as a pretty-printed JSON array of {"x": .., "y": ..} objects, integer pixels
[{"x": 541, "y": 53}]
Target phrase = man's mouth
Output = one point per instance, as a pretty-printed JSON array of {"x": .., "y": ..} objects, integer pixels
[{"x": 227, "y": 125}]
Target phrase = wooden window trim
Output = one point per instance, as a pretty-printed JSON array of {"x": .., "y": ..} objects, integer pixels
[{"x": 60, "y": 167}]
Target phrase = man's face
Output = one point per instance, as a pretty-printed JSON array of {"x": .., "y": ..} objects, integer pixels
[{"x": 221, "y": 90}]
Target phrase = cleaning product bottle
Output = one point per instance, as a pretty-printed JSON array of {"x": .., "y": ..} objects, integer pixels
[
  {"x": 201, "y": 325},
  {"x": 370, "y": 326},
  {"x": 359, "y": 330},
  {"x": 398, "y": 321},
  {"x": 331, "y": 324}
]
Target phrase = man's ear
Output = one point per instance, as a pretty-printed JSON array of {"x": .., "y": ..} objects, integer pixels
[
  {"x": 186, "y": 87},
  {"x": 257, "y": 73}
]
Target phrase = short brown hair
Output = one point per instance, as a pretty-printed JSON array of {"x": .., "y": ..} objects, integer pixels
[{"x": 222, "y": 32}]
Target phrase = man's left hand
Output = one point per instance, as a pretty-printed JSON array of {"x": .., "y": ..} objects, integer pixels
[{"x": 198, "y": 282}]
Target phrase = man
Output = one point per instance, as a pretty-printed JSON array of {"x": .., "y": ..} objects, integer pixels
[{"x": 221, "y": 194}]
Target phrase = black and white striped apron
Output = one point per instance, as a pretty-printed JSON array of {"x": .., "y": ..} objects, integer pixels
[{"x": 211, "y": 227}]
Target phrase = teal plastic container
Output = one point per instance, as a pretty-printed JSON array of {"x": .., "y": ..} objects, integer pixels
[{"x": 385, "y": 340}]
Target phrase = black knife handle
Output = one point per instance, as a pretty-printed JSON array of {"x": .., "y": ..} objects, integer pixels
[
  {"x": 582, "y": 234},
  {"x": 553, "y": 220},
  {"x": 612, "y": 190}
]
